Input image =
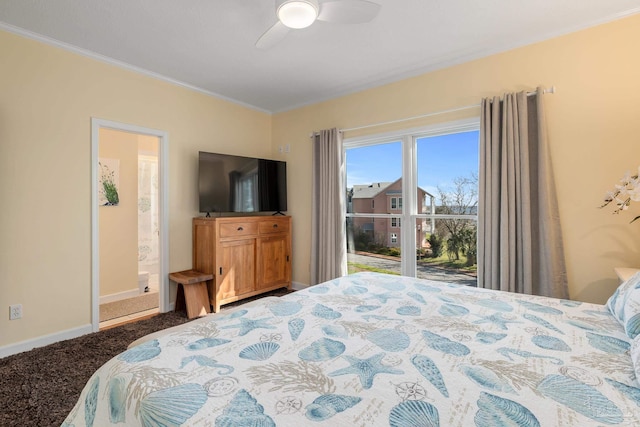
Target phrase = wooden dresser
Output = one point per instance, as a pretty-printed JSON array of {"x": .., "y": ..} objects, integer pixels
[{"x": 246, "y": 255}]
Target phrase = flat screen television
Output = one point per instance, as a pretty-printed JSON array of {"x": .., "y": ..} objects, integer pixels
[{"x": 228, "y": 183}]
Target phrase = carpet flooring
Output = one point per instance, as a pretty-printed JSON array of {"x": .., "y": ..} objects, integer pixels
[{"x": 40, "y": 387}]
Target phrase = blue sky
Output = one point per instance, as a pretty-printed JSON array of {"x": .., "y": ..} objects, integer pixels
[{"x": 440, "y": 160}]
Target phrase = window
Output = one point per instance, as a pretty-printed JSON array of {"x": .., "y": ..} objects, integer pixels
[
  {"x": 396, "y": 203},
  {"x": 246, "y": 191},
  {"x": 439, "y": 198}
]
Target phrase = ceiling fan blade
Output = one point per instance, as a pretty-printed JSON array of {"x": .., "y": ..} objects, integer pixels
[
  {"x": 272, "y": 36},
  {"x": 348, "y": 11}
]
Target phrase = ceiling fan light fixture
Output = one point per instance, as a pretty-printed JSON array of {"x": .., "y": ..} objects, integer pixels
[{"x": 298, "y": 14}]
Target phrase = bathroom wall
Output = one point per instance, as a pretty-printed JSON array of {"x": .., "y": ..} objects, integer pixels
[
  {"x": 118, "y": 225},
  {"x": 148, "y": 203}
]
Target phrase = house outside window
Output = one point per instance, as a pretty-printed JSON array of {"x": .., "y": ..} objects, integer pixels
[
  {"x": 395, "y": 222},
  {"x": 394, "y": 237}
]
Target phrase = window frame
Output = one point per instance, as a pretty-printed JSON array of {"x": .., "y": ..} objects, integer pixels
[{"x": 409, "y": 207}]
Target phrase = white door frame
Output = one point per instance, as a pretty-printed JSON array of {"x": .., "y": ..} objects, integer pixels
[{"x": 163, "y": 212}]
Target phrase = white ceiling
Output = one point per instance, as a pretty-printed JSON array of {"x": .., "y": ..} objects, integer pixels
[{"x": 209, "y": 44}]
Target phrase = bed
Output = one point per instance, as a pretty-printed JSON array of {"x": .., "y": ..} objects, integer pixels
[{"x": 380, "y": 350}]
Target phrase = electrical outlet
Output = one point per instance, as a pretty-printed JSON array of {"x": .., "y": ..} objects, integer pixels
[{"x": 15, "y": 311}]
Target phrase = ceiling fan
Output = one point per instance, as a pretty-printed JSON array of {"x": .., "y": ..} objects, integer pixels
[{"x": 296, "y": 14}]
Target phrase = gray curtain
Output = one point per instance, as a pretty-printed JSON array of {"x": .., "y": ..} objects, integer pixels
[
  {"x": 519, "y": 237},
  {"x": 328, "y": 230}
]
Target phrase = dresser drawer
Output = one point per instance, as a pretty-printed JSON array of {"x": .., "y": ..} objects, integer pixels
[
  {"x": 238, "y": 229},
  {"x": 274, "y": 226}
]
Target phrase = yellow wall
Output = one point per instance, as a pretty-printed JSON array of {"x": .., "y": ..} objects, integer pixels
[
  {"x": 148, "y": 145},
  {"x": 593, "y": 122},
  {"x": 48, "y": 97},
  {"x": 118, "y": 225}
]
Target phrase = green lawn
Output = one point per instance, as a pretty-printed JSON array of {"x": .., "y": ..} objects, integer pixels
[
  {"x": 355, "y": 268},
  {"x": 444, "y": 262}
]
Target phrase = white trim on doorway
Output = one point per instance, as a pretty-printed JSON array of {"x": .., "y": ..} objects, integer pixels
[{"x": 163, "y": 137}]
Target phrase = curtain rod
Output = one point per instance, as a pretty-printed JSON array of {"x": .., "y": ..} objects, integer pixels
[{"x": 552, "y": 89}]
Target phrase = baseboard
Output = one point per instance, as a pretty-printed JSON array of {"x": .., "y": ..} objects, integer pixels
[
  {"x": 120, "y": 295},
  {"x": 44, "y": 340},
  {"x": 297, "y": 286}
]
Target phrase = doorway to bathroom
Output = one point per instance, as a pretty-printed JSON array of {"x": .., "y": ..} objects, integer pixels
[{"x": 128, "y": 224}]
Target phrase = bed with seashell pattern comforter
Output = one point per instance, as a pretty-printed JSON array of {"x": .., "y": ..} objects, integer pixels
[{"x": 376, "y": 350}]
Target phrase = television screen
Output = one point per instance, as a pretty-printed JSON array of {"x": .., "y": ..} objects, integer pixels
[{"x": 229, "y": 183}]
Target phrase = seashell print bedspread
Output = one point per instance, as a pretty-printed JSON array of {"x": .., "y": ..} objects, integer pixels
[{"x": 377, "y": 350}]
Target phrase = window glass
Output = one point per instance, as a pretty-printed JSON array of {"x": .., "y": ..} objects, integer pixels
[
  {"x": 374, "y": 172},
  {"x": 374, "y": 183},
  {"x": 447, "y": 171}
]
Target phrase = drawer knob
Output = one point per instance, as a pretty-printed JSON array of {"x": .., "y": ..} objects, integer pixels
[
  {"x": 240, "y": 229},
  {"x": 275, "y": 225}
]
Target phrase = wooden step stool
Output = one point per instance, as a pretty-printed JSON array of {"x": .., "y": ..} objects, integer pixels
[{"x": 192, "y": 291}]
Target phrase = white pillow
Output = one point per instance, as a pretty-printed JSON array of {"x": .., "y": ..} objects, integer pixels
[{"x": 624, "y": 305}]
